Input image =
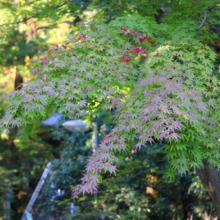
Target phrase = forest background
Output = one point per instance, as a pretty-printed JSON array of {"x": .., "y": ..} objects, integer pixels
[{"x": 139, "y": 190}]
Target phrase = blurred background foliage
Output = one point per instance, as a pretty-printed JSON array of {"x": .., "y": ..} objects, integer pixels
[{"x": 139, "y": 190}]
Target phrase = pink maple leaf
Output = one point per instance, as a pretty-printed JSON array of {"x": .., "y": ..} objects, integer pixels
[
  {"x": 132, "y": 50},
  {"x": 154, "y": 110},
  {"x": 45, "y": 60},
  {"x": 106, "y": 139},
  {"x": 144, "y": 51},
  {"x": 162, "y": 134},
  {"x": 128, "y": 32},
  {"x": 55, "y": 47},
  {"x": 113, "y": 169},
  {"x": 93, "y": 179},
  {"x": 158, "y": 124},
  {"x": 115, "y": 100},
  {"x": 202, "y": 107},
  {"x": 85, "y": 188},
  {"x": 151, "y": 140},
  {"x": 71, "y": 53},
  {"x": 178, "y": 124},
  {"x": 105, "y": 155},
  {"x": 138, "y": 145},
  {"x": 122, "y": 146},
  {"x": 84, "y": 179},
  {"x": 171, "y": 89},
  {"x": 182, "y": 95},
  {"x": 192, "y": 94},
  {"x": 157, "y": 99},
  {"x": 146, "y": 118},
  {"x": 42, "y": 76},
  {"x": 35, "y": 70},
  {"x": 110, "y": 166},
  {"x": 136, "y": 33},
  {"x": 172, "y": 136},
  {"x": 83, "y": 103},
  {"x": 163, "y": 93},
  {"x": 104, "y": 147}
]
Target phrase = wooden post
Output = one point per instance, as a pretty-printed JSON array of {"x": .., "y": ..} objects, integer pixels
[
  {"x": 36, "y": 191},
  {"x": 95, "y": 144}
]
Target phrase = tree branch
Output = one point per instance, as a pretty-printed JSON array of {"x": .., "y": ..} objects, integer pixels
[
  {"x": 52, "y": 25},
  {"x": 40, "y": 13},
  {"x": 205, "y": 16}
]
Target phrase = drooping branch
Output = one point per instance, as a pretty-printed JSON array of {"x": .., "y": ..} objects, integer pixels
[
  {"x": 38, "y": 14},
  {"x": 209, "y": 9}
]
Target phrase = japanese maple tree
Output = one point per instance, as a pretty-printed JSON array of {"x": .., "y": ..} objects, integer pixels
[{"x": 162, "y": 80}]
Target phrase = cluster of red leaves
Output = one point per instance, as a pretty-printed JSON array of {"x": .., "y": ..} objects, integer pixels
[
  {"x": 124, "y": 59},
  {"x": 56, "y": 47},
  {"x": 142, "y": 37},
  {"x": 81, "y": 37},
  {"x": 45, "y": 60},
  {"x": 139, "y": 49}
]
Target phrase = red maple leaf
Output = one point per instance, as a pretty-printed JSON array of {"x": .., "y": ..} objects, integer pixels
[
  {"x": 48, "y": 52},
  {"x": 127, "y": 58},
  {"x": 123, "y": 29},
  {"x": 143, "y": 38}
]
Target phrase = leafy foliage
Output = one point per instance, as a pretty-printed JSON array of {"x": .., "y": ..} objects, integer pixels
[
  {"x": 161, "y": 79},
  {"x": 138, "y": 190}
]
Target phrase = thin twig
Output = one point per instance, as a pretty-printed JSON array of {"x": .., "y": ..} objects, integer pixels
[
  {"x": 212, "y": 26},
  {"x": 117, "y": 3}
]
